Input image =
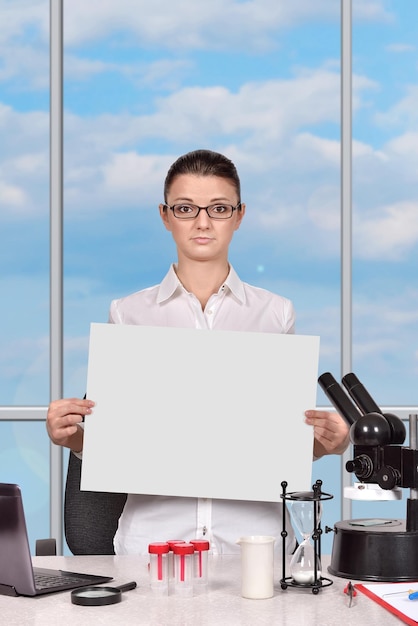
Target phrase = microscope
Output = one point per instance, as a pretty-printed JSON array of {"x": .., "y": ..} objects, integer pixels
[{"x": 384, "y": 550}]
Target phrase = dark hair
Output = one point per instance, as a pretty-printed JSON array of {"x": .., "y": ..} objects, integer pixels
[{"x": 203, "y": 163}]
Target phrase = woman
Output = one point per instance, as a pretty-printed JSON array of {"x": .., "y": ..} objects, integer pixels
[{"x": 202, "y": 209}]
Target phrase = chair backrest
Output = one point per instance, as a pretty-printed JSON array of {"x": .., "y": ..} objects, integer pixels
[{"x": 90, "y": 517}]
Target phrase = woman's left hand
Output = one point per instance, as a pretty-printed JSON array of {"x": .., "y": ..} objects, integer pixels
[{"x": 331, "y": 432}]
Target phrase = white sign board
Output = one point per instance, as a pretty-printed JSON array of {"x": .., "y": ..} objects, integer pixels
[{"x": 184, "y": 412}]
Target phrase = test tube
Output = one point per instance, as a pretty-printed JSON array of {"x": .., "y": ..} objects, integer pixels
[
  {"x": 158, "y": 568},
  {"x": 171, "y": 543},
  {"x": 200, "y": 569},
  {"x": 183, "y": 567}
]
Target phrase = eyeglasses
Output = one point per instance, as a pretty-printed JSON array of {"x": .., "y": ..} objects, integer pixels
[{"x": 214, "y": 211}]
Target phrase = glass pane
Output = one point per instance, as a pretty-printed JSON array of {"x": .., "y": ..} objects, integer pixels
[
  {"x": 24, "y": 203},
  {"x": 24, "y": 460},
  {"x": 24, "y": 252},
  {"x": 140, "y": 91},
  {"x": 385, "y": 161},
  {"x": 385, "y": 212}
]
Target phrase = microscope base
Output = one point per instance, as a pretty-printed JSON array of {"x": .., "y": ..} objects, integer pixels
[{"x": 376, "y": 550}]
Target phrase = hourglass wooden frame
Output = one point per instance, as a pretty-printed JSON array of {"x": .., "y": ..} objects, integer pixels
[{"x": 315, "y": 496}]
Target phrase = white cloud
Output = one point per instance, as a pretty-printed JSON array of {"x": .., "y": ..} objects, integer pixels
[
  {"x": 19, "y": 17},
  {"x": 185, "y": 21},
  {"x": 129, "y": 175},
  {"x": 371, "y": 10},
  {"x": 11, "y": 196},
  {"x": 24, "y": 43},
  {"x": 268, "y": 127},
  {"x": 257, "y": 126},
  {"x": 164, "y": 73},
  {"x": 384, "y": 330},
  {"x": 404, "y": 113},
  {"x": 187, "y": 24},
  {"x": 27, "y": 66},
  {"x": 161, "y": 25},
  {"x": 400, "y": 48},
  {"x": 265, "y": 111},
  {"x": 362, "y": 85},
  {"x": 363, "y": 150},
  {"x": 190, "y": 25},
  {"x": 35, "y": 163},
  {"x": 319, "y": 153},
  {"x": 405, "y": 146},
  {"x": 275, "y": 215},
  {"x": 384, "y": 338},
  {"x": 388, "y": 232},
  {"x": 24, "y": 162},
  {"x": 81, "y": 69},
  {"x": 323, "y": 208},
  {"x": 262, "y": 126},
  {"x": 22, "y": 132}
]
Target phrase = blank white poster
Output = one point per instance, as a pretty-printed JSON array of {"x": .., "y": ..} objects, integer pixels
[{"x": 196, "y": 413}]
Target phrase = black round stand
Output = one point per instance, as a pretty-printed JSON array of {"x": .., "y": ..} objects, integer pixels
[
  {"x": 381, "y": 552},
  {"x": 315, "y": 587}
]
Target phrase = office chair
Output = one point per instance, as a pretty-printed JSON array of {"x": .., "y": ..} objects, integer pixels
[{"x": 90, "y": 517}]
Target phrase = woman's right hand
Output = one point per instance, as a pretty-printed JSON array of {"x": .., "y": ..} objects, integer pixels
[{"x": 63, "y": 422}]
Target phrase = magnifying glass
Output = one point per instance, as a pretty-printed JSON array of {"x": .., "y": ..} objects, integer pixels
[{"x": 99, "y": 596}]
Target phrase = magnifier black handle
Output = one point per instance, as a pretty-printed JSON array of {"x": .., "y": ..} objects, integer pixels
[{"x": 127, "y": 586}]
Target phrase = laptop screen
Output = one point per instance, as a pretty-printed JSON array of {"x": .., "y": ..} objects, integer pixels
[{"x": 15, "y": 558}]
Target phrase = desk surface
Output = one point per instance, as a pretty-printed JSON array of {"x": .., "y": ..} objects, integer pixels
[{"x": 221, "y": 606}]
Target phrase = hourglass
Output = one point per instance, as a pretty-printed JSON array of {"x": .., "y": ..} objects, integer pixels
[
  {"x": 305, "y": 566},
  {"x": 305, "y": 511}
]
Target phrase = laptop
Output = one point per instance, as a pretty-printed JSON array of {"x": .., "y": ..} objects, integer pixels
[{"x": 18, "y": 577}]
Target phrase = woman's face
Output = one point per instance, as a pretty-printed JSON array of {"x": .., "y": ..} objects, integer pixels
[{"x": 202, "y": 238}]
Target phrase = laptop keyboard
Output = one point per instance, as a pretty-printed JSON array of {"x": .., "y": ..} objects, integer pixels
[{"x": 44, "y": 581}]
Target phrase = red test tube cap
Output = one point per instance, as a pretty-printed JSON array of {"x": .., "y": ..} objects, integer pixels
[
  {"x": 200, "y": 544},
  {"x": 172, "y": 542},
  {"x": 183, "y": 548},
  {"x": 158, "y": 547}
]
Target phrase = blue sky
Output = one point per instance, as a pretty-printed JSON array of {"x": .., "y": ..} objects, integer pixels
[{"x": 259, "y": 81}]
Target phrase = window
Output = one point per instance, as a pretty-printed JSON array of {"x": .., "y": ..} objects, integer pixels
[{"x": 260, "y": 83}]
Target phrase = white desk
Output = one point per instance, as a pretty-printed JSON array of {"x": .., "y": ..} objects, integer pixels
[{"x": 221, "y": 606}]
